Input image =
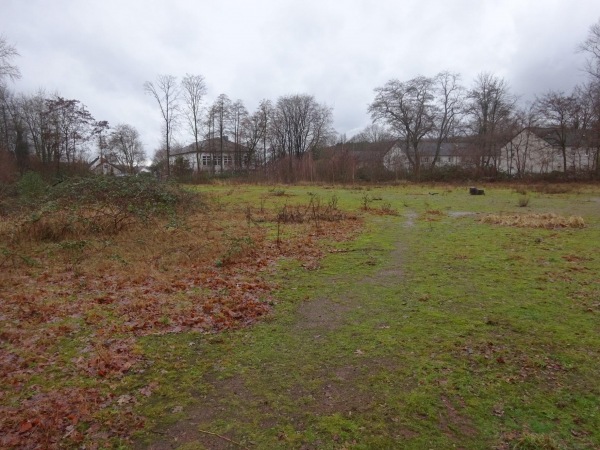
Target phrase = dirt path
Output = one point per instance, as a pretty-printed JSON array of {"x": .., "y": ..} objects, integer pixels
[{"x": 321, "y": 367}]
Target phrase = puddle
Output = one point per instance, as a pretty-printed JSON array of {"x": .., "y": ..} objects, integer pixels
[{"x": 461, "y": 213}]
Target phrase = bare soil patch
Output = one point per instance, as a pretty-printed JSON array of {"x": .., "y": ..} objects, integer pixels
[
  {"x": 455, "y": 424},
  {"x": 322, "y": 314}
]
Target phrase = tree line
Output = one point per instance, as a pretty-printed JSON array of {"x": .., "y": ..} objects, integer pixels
[
  {"x": 50, "y": 133},
  {"x": 438, "y": 109},
  {"x": 285, "y": 129},
  {"x": 488, "y": 114},
  {"x": 55, "y": 135}
]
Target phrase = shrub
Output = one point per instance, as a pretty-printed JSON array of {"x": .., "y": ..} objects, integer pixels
[
  {"x": 31, "y": 186},
  {"x": 521, "y": 190},
  {"x": 523, "y": 201},
  {"x": 96, "y": 205},
  {"x": 237, "y": 247}
]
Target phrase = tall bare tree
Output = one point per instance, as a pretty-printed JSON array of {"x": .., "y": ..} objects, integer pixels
[
  {"x": 372, "y": 133},
  {"x": 100, "y": 131},
  {"x": 490, "y": 104},
  {"x": 560, "y": 112},
  {"x": 36, "y": 119},
  {"x": 166, "y": 93},
  {"x": 14, "y": 145},
  {"x": 408, "y": 109},
  {"x": 194, "y": 90},
  {"x": 238, "y": 115},
  {"x": 7, "y": 53},
  {"x": 254, "y": 132},
  {"x": 210, "y": 137},
  {"x": 591, "y": 46},
  {"x": 590, "y": 93},
  {"x": 588, "y": 96},
  {"x": 70, "y": 127},
  {"x": 125, "y": 147},
  {"x": 517, "y": 152},
  {"x": 7, "y": 129},
  {"x": 448, "y": 108},
  {"x": 265, "y": 113},
  {"x": 221, "y": 113},
  {"x": 7, "y": 118},
  {"x": 300, "y": 124}
]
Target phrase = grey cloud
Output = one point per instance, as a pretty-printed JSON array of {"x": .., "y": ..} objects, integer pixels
[{"x": 102, "y": 52}]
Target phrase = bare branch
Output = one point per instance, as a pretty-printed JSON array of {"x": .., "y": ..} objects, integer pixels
[
  {"x": 591, "y": 46},
  {"x": 166, "y": 93},
  {"x": 7, "y": 53}
]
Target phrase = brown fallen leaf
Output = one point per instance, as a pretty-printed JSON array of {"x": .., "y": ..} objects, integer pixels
[{"x": 25, "y": 426}]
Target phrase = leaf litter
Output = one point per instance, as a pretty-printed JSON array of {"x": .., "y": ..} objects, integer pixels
[{"x": 69, "y": 328}]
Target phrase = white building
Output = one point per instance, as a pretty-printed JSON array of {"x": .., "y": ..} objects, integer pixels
[{"x": 540, "y": 151}]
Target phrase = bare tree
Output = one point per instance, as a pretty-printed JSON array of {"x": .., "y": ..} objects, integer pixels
[
  {"x": 265, "y": 113},
  {"x": 221, "y": 112},
  {"x": 37, "y": 121},
  {"x": 254, "y": 131},
  {"x": 194, "y": 90},
  {"x": 125, "y": 147},
  {"x": 560, "y": 112},
  {"x": 100, "y": 130},
  {"x": 588, "y": 96},
  {"x": 517, "y": 152},
  {"x": 8, "y": 117},
  {"x": 238, "y": 115},
  {"x": 9, "y": 129},
  {"x": 210, "y": 136},
  {"x": 166, "y": 93},
  {"x": 373, "y": 133},
  {"x": 591, "y": 46},
  {"x": 300, "y": 124},
  {"x": 448, "y": 108},
  {"x": 408, "y": 109},
  {"x": 590, "y": 93},
  {"x": 69, "y": 127},
  {"x": 7, "y": 68},
  {"x": 490, "y": 105},
  {"x": 14, "y": 143}
]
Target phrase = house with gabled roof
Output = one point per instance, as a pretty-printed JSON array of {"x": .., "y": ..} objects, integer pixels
[
  {"x": 537, "y": 150},
  {"x": 351, "y": 160},
  {"x": 389, "y": 157},
  {"x": 104, "y": 166},
  {"x": 214, "y": 155},
  {"x": 451, "y": 153}
]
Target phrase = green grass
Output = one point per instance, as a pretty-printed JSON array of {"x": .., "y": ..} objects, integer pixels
[{"x": 430, "y": 330}]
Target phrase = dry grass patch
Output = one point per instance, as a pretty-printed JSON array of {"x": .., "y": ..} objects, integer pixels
[
  {"x": 433, "y": 215},
  {"x": 545, "y": 220}
]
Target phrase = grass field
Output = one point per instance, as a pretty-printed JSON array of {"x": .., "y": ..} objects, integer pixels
[{"x": 421, "y": 317}]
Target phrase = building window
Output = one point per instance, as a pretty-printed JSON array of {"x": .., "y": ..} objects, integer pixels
[
  {"x": 227, "y": 160},
  {"x": 206, "y": 160}
]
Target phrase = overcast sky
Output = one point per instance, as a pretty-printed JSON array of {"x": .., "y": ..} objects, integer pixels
[{"x": 101, "y": 52}]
